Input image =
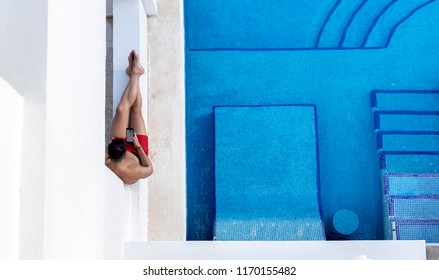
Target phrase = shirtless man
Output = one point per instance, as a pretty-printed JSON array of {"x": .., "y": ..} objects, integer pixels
[{"x": 129, "y": 161}]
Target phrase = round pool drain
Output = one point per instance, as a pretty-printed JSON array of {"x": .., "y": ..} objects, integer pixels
[{"x": 345, "y": 222}]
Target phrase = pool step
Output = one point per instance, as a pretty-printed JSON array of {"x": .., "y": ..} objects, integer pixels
[
  {"x": 417, "y": 230},
  {"x": 406, "y": 120},
  {"x": 336, "y": 26},
  {"x": 424, "y": 141},
  {"x": 409, "y": 162},
  {"x": 389, "y": 19},
  {"x": 411, "y": 204},
  {"x": 414, "y": 208},
  {"x": 406, "y": 126},
  {"x": 411, "y": 184},
  {"x": 415, "y": 100},
  {"x": 361, "y": 23}
]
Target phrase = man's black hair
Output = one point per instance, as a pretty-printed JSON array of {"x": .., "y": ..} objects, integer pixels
[{"x": 117, "y": 149}]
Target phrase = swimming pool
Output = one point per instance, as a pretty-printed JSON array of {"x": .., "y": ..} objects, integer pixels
[{"x": 332, "y": 54}]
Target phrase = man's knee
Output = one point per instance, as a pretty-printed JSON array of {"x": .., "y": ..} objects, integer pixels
[
  {"x": 122, "y": 109},
  {"x": 136, "y": 109}
]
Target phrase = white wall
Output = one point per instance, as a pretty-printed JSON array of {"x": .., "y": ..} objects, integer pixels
[
  {"x": 11, "y": 116},
  {"x": 23, "y": 45},
  {"x": 23, "y": 56},
  {"x": 126, "y": 205},
  {"x": 75, "y": 146}
]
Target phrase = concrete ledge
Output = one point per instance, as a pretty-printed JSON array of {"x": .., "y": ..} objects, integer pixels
[
  {"x": 150, "y": 7},
  {"x": 433, "y": 251},
  {"x": 278, "y": 250}
]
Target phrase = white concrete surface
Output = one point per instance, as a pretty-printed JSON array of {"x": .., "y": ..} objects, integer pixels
[
  {"x": 130, "y": 33},
  {"x": 276, "y": 250},
  {"x": 166, "y": 122},
  {"x": 74, "y": 180},
  {"x": 10, "y": 169}
]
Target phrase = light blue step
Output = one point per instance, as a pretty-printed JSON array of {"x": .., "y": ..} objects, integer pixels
[
  {"x": 406, "y": 120},
  {"x": 342, "y": 13},
  {"x": 417, "y": 230},
  {"x": 266, "y": 173},
  {"x": 411, "y": 203},
  {"x": 420, "y": 100},
  {"x": 257, "y": 229},
  {"x": 408, "y": 141},
  {"x": 361, "y": 23},
  {"x": 411, "y": 184},
  {"x": 409, "y": 162},
  {"x": 396, "y": 14},
  {"x": 414, "y": 208}
]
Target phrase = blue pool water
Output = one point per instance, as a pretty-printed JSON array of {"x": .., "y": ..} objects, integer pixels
[{"x": 332, "y": 54}]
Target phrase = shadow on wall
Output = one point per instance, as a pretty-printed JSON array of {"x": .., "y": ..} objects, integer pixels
[
  {"x": 24, "y": 55},
  {"x": 109, "y": 79}
]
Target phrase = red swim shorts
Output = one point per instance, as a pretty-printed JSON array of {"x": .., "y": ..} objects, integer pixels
[{"x": 143, "y": 140}]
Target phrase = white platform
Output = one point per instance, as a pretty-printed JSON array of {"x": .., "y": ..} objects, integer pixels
[{"x": 275, "y": 250}]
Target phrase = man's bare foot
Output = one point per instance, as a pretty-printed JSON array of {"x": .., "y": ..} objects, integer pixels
[{"x": 134, "y": 67}]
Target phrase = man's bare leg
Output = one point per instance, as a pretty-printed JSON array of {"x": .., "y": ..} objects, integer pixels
[
  {"x": 136, "y": 118},
  {"x": 129, "y": 96}
]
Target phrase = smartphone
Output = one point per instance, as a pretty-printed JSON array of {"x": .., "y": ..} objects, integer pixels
[{"x": 130, "y": 135}]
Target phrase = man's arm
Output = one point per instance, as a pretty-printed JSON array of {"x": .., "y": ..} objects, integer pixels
[
  {"x": 146, "y": 168},
  {"x": 144, "y": 171},
  {"x": 143, "y": 156}
]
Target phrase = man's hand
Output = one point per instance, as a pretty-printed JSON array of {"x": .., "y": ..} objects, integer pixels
[
  {"x": 136, "y": 141},
  {"x": 145, "y": 170}
]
